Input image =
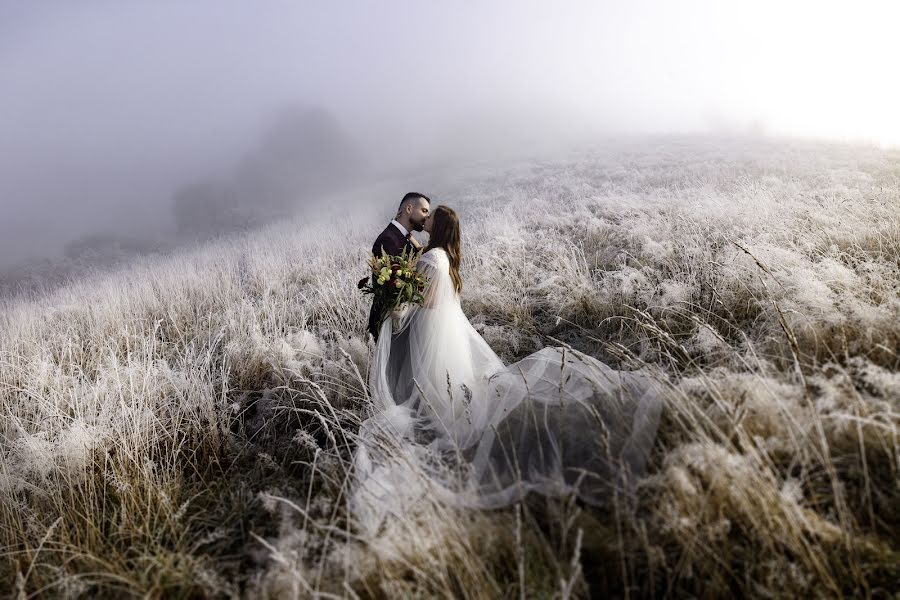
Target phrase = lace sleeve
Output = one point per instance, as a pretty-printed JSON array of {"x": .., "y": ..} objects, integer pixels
[{"x": 436, "y": 269}]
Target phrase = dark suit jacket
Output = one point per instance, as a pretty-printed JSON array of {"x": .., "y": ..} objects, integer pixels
[{"x": 393, "y": 242}]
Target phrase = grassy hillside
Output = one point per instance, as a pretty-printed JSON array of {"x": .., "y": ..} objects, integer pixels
[{"x": 184, "y": 426}]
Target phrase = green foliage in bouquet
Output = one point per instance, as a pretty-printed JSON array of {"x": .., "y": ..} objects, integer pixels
[{"x": 396, "y": 281}]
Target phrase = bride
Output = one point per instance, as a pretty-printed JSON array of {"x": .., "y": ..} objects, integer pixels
[{"x": 450, "y": 418}]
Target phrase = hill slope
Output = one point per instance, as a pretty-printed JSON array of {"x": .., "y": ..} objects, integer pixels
[{"x": 184, "y": 424}]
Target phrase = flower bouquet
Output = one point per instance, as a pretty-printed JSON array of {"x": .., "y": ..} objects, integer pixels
[{"x": 395, "y": 283}]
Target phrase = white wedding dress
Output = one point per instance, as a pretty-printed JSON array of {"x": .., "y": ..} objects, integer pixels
[{"x": 451, "y": 420}]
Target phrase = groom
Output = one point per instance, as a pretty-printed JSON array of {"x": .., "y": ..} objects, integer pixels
[{"x": 396, "y": 238}]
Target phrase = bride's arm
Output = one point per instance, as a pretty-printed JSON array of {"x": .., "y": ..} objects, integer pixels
[
  {"x": 429, "y": 296},
  {"x": 429, "y": 301},
  {"x": 432, "y": 272}
]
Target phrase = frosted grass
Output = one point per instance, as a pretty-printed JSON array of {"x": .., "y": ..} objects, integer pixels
[{"x": 184, "y": 425}]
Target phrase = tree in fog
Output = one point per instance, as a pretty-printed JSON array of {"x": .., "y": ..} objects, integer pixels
[{"x": 301, "y": 155}]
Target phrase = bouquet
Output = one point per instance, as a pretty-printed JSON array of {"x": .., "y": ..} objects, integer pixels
[{"x": 396, "y": 283}]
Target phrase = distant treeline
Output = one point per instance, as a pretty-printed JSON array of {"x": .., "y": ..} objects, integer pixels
[{"x": 302, "y": 154}]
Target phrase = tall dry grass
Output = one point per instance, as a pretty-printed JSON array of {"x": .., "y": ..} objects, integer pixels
[{"x": 184, "y": 426}]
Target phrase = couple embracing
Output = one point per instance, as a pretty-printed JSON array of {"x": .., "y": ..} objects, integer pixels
[{"x": 556, "y": 421}]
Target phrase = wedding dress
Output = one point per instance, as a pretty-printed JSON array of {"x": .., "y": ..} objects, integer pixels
[{"x": 451, "y": 419}]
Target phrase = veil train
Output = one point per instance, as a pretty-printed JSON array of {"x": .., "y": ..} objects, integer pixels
[{"x": 452, "y": 420}]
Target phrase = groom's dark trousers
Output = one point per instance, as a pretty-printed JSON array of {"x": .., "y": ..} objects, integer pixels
[{"x": 394, "y": 243}]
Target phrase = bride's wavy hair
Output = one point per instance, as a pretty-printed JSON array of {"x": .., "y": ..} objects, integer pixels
[{"x": 445, "y": 234}]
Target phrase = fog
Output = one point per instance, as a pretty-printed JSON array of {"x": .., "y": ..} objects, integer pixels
[{"x": 108, "y": 109}]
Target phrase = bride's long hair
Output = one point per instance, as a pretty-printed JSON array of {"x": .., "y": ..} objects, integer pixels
[{"x": 445, "y": 234}]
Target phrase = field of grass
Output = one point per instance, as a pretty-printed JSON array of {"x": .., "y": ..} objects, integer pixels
[{"x": 184, "y": 426}]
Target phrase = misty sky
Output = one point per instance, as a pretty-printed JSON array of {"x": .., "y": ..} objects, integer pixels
[{"x": 107, "y": 107}]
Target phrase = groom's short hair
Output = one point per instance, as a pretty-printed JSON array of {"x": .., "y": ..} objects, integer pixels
[{"x": 411, "y": 196}]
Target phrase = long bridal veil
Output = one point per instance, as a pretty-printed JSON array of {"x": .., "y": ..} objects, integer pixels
[{"x": 451, "y": 419}]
